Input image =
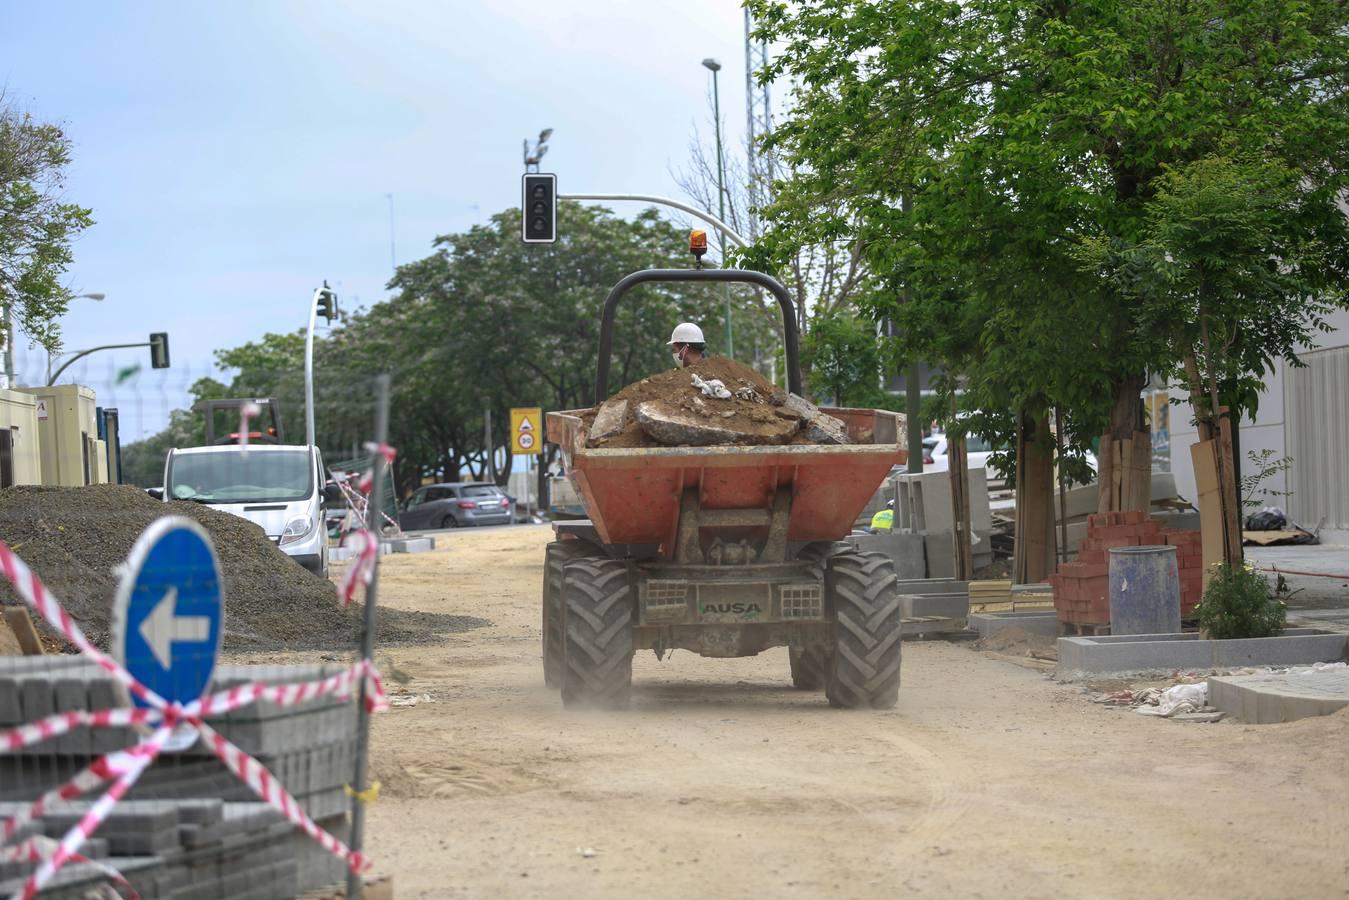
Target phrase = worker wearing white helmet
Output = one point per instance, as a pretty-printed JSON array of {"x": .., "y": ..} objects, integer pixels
[{"x": 687, "y": 344}]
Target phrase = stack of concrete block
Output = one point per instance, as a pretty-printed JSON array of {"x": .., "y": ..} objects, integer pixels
[
  {"x": 1082, "y": 588},
  {"x": 310, "y": 747}
]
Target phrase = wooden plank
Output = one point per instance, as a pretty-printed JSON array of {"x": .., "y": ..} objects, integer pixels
[
  {"x": 16, "y": 617},
  {"x": 1105, "y": 474}
]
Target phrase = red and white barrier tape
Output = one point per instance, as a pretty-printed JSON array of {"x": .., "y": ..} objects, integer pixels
[
  {"x": 366, "y": 545},
  {"x": 247, "y": 410},
  {"x": 368, "y": 477},
  {"x": 268, "y": 788},
  {"x": 38, "y": 848},
  {"x": 127, "y": 765}
]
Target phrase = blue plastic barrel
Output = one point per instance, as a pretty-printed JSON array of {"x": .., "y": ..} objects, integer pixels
[{"x": 1144, "y": 590}]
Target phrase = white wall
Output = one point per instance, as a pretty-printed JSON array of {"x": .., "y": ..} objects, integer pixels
[{"x": 1267, "y": 430}]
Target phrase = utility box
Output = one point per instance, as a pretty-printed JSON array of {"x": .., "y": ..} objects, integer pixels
[
  {"x": 20, "y": 461},
  {"x": 68, "y": 435}
]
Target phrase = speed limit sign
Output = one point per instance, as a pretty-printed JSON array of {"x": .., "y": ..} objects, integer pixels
[{"x": 525, "y": 422}]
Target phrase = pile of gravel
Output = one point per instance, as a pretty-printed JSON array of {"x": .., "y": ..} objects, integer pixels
[{"x": 75, "y": 537}]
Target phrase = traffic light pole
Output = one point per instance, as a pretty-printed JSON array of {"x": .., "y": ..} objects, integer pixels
[
  {"x": 731, "y": 234},
  {"x": 52, "y": 376},
  {"x": 309, "y": 366}
]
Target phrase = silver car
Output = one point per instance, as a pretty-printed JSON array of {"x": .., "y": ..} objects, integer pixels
[{"x": 454, "y": 505}]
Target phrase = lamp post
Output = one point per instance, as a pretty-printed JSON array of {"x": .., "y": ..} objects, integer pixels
[
  {"x": 9, "y": 340},
  {"x": 714, "y": 67}
]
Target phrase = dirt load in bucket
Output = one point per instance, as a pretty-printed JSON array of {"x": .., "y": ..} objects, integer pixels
[
  {"x": 715, "y": 401},
  {"x": 74, "y": 539}
]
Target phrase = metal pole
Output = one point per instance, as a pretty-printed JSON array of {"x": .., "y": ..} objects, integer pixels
[
  {"x": 309, "y": 368},
  {"x": 51, "y": 379},
  {"x": 1063, "y": 490},
  {"x": 736, "y": 237},
  {"x": 393, "y": 257},
  {"x": 913, "y": 397},
  {"x": 721, "y": 205},
  {"x": 372, "y": 513},
  {"x": 10, "y": 332},
  {"x": 487, "y": 442}
]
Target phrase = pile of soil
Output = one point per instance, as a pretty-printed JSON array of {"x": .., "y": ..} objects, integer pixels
[
  {"x": 74, "y": 538},
  {"x": 673, "y": 392}
]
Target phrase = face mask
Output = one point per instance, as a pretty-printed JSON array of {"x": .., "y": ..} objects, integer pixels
[{"x": 678, "y": 362}]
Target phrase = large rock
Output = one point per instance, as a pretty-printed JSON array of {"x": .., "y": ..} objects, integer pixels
[
  {"x": 609, "y": 420},
  {"x": 818, "y": 427},
  {"x": 682, "y": 429}
]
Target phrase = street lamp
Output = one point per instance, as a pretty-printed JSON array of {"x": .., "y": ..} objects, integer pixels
[
  {"x": 533, "y": 157},
  {"x": 9, "y": 342},
  {"x": 714, "y": 67}
]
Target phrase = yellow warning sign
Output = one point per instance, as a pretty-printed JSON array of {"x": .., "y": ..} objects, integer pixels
[{"x": 527, "y": 430}]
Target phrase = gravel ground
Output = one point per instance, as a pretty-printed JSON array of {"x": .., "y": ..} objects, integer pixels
[{"x": 75, "y": 537}]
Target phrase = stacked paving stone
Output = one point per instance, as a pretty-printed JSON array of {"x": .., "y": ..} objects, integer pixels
[
  {"x": 1082, "y": 588},
  {"x": 189, "y": 828}
]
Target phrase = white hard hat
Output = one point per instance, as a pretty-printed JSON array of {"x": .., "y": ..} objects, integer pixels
[{"x": 687, "y": 333}]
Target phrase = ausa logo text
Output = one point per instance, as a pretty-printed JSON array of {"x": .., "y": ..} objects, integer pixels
[{"x": 736, "y": 609}]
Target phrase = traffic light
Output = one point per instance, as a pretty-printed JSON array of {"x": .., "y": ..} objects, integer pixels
[
  {"x": 327, "y": 304},
  {"x": 159, "y": 350},
  {"x": 539, "y": 208}
]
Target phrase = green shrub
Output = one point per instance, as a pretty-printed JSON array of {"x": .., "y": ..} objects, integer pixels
[{"x": 1239, "y": 603}]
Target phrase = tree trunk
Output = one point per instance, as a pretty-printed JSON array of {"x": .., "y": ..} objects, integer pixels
[
  {"x": 1035, "y": 546},
  {"x": 959, "y": 473},
  {"x": 1124, "y": 465}
]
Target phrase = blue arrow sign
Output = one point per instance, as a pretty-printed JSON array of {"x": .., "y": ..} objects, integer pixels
[{"x": 169, "y": 610}]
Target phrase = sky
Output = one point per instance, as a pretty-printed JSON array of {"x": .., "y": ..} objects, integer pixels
[{"x": 235, "y": 155}]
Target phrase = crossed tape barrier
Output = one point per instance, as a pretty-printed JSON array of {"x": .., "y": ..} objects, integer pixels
[
  {"x": 363, "y": 540},
  {"x": 124, "y": 767}
]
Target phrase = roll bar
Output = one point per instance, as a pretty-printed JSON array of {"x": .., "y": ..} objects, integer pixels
[{"x": 791, "y": 335}]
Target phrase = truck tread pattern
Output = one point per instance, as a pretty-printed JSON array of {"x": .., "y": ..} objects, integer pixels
[
  {"x": 556, "y": 556},
  {"x": 597, "y": 625},
  {"x": 867, "y": 630},
  {"x": 810, "y": 668}
]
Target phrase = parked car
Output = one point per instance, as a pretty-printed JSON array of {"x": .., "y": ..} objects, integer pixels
[{"x": 455, "y": 505}]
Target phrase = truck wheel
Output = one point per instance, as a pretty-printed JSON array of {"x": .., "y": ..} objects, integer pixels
[
  {"x": 597, "y": 624},
  {"x": 864, "y": 670},
  {"x": 558, "y": 554},
  {"x": 810, "y": 668}
]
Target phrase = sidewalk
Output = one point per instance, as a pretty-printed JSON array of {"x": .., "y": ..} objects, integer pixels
[{"x": 1319, "y": 602}]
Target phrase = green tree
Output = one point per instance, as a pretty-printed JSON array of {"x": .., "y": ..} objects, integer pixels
[
  {"x": 37, "y": 225},
  {"x": 975, "y": 147},
  {"x": 843, "y": 356}
]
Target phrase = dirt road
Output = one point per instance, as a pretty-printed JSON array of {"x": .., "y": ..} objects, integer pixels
[{"x": 987, "y": 780}]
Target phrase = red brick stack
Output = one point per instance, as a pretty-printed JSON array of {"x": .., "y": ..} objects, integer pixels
[
  {"x": 1190, "y": 561},
  {"x": 1082, "y": 588}
]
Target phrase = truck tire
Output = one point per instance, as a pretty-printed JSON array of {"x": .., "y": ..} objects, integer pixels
[
  {"x": 597, "y": 629},
  {"x": 555, "y": 557},
  {"x": 810, "y": 668},
  {"x": 864, "y": 595}
]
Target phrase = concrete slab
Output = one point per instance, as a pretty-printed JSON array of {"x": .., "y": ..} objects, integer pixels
[
  {"x": 948, "y": 606},
  {"x": 1084, "y": 656},
  {"x": 1285, "y": 697},
  {"x": 1046, "y": 623},
  {"x": 411, "y": 545},
  {"x": 905, "y": 549}
]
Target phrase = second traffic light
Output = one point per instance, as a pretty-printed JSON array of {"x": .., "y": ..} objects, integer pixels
[
  {"x": 327, "y": 304},
  {"x": 159, "y": 350},
  {"x": 538, "y": 207}
]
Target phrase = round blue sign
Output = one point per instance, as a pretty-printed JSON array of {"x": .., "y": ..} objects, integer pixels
[{"x": 169, "y": 610}]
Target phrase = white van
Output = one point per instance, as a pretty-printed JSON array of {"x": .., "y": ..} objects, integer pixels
[{"x": 276, "y": 486}]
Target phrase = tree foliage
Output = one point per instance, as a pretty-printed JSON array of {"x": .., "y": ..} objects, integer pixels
[
  {"x": 842, "y": 354},
  {"x": 982, "y": 151},
  {"x": 36, "y": 223}
]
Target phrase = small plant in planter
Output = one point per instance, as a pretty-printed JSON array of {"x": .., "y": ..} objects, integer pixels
[{"x": 1239, "y": 603}]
